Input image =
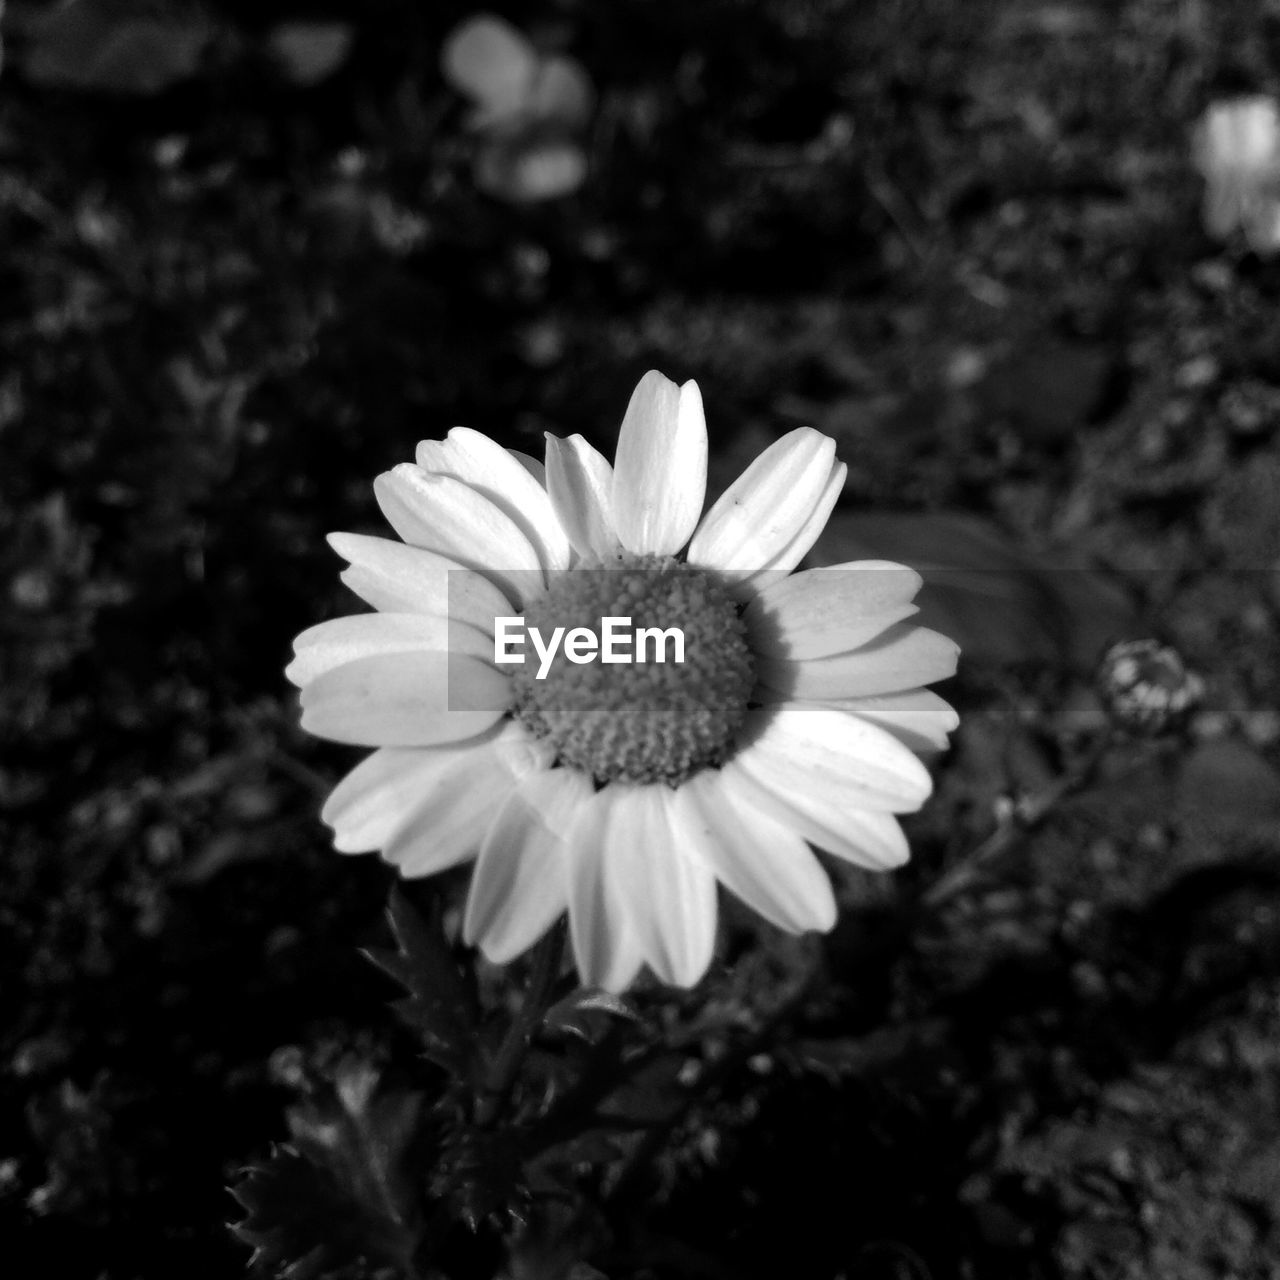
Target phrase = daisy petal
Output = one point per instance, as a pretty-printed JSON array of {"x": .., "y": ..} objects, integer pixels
[
  {"x": 377, "y": 795},
  {"x": 331, "y": 644},
  {"x": 867, "y": 839},
  {"x": 456, "y": 814},
  {"x": 405, "y": 700},
  {"x": 761, "y": 861},
  {"x": 876, "y": 841},
  {"x": 763, "y": 510},
  {"x": 441, "y": 514},
  {"x": 605, "y": 948},
  {"x": 580, "y": 482},
  {"x": 831, "y": 610},
  {"x": 625, "y": 960},
  {"x": 668, "y": 896},
  {"x": 660, "y": 469},
  {"x": 387, "y": 788},
  {"x": 493, "y": 471},
  {"x": 918, "y": 717},
  {"x": 399, "y": 579},
  {"x": 535, "y": 468},
  {"x": 811, "y": 530},
  {"x": 902, "y": 657},
  {"x": 519, "y": 886},
  {"x": 802, "y": 751}
]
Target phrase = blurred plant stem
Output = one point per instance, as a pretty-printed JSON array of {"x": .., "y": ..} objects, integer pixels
[{"x": 1014, "y": 819}]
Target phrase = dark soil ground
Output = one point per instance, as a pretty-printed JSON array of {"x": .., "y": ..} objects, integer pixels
[{"x": 964, "y": 239}]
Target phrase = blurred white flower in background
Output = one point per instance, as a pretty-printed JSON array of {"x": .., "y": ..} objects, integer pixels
[
  {"x": 529, "y": 110},
  {"x": 1237, "y": 150}
]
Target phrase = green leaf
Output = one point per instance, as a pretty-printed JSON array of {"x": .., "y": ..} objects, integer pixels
[
  {"x": 298, "y": 1223},
  {"x": 343, "y": 1192},
  {"x": 1001, "y": 603},
  {"x": 481, "y": 1176},
  {"x": 1224, "y": 788},
  {"x": 586, "y": 1013},
  {"x": 440, "y": 1008}
]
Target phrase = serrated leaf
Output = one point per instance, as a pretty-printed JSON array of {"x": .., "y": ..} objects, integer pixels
[
  {"x": 361, "y": 1137},
  {"x": 298, "y": 1221},
  {"x": 481, "y": 1175},
  {"x": 1000, "y": 603},
  {"x": 440, "y": 1007},
  {"x": 344, "y": 1190}
]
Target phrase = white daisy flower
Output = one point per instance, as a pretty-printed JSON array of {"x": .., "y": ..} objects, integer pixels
[
  {"x": 623, "y": 793},
  {"x": 1237, "y": 150}
]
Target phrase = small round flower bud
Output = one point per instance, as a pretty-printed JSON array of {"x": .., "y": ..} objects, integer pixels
[{"x": 1146, "y": 686}]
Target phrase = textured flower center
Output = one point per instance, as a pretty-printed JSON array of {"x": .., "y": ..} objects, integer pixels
[{"x": 640, "y": 721}]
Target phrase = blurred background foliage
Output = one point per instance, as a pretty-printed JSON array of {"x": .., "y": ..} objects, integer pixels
[{"x": 251, "y": 253}]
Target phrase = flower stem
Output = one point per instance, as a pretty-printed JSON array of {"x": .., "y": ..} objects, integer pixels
[{"x": 505, "y": 1068}]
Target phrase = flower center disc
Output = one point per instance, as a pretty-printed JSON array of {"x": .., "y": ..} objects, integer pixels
[{"x": 639, "y": 721}]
